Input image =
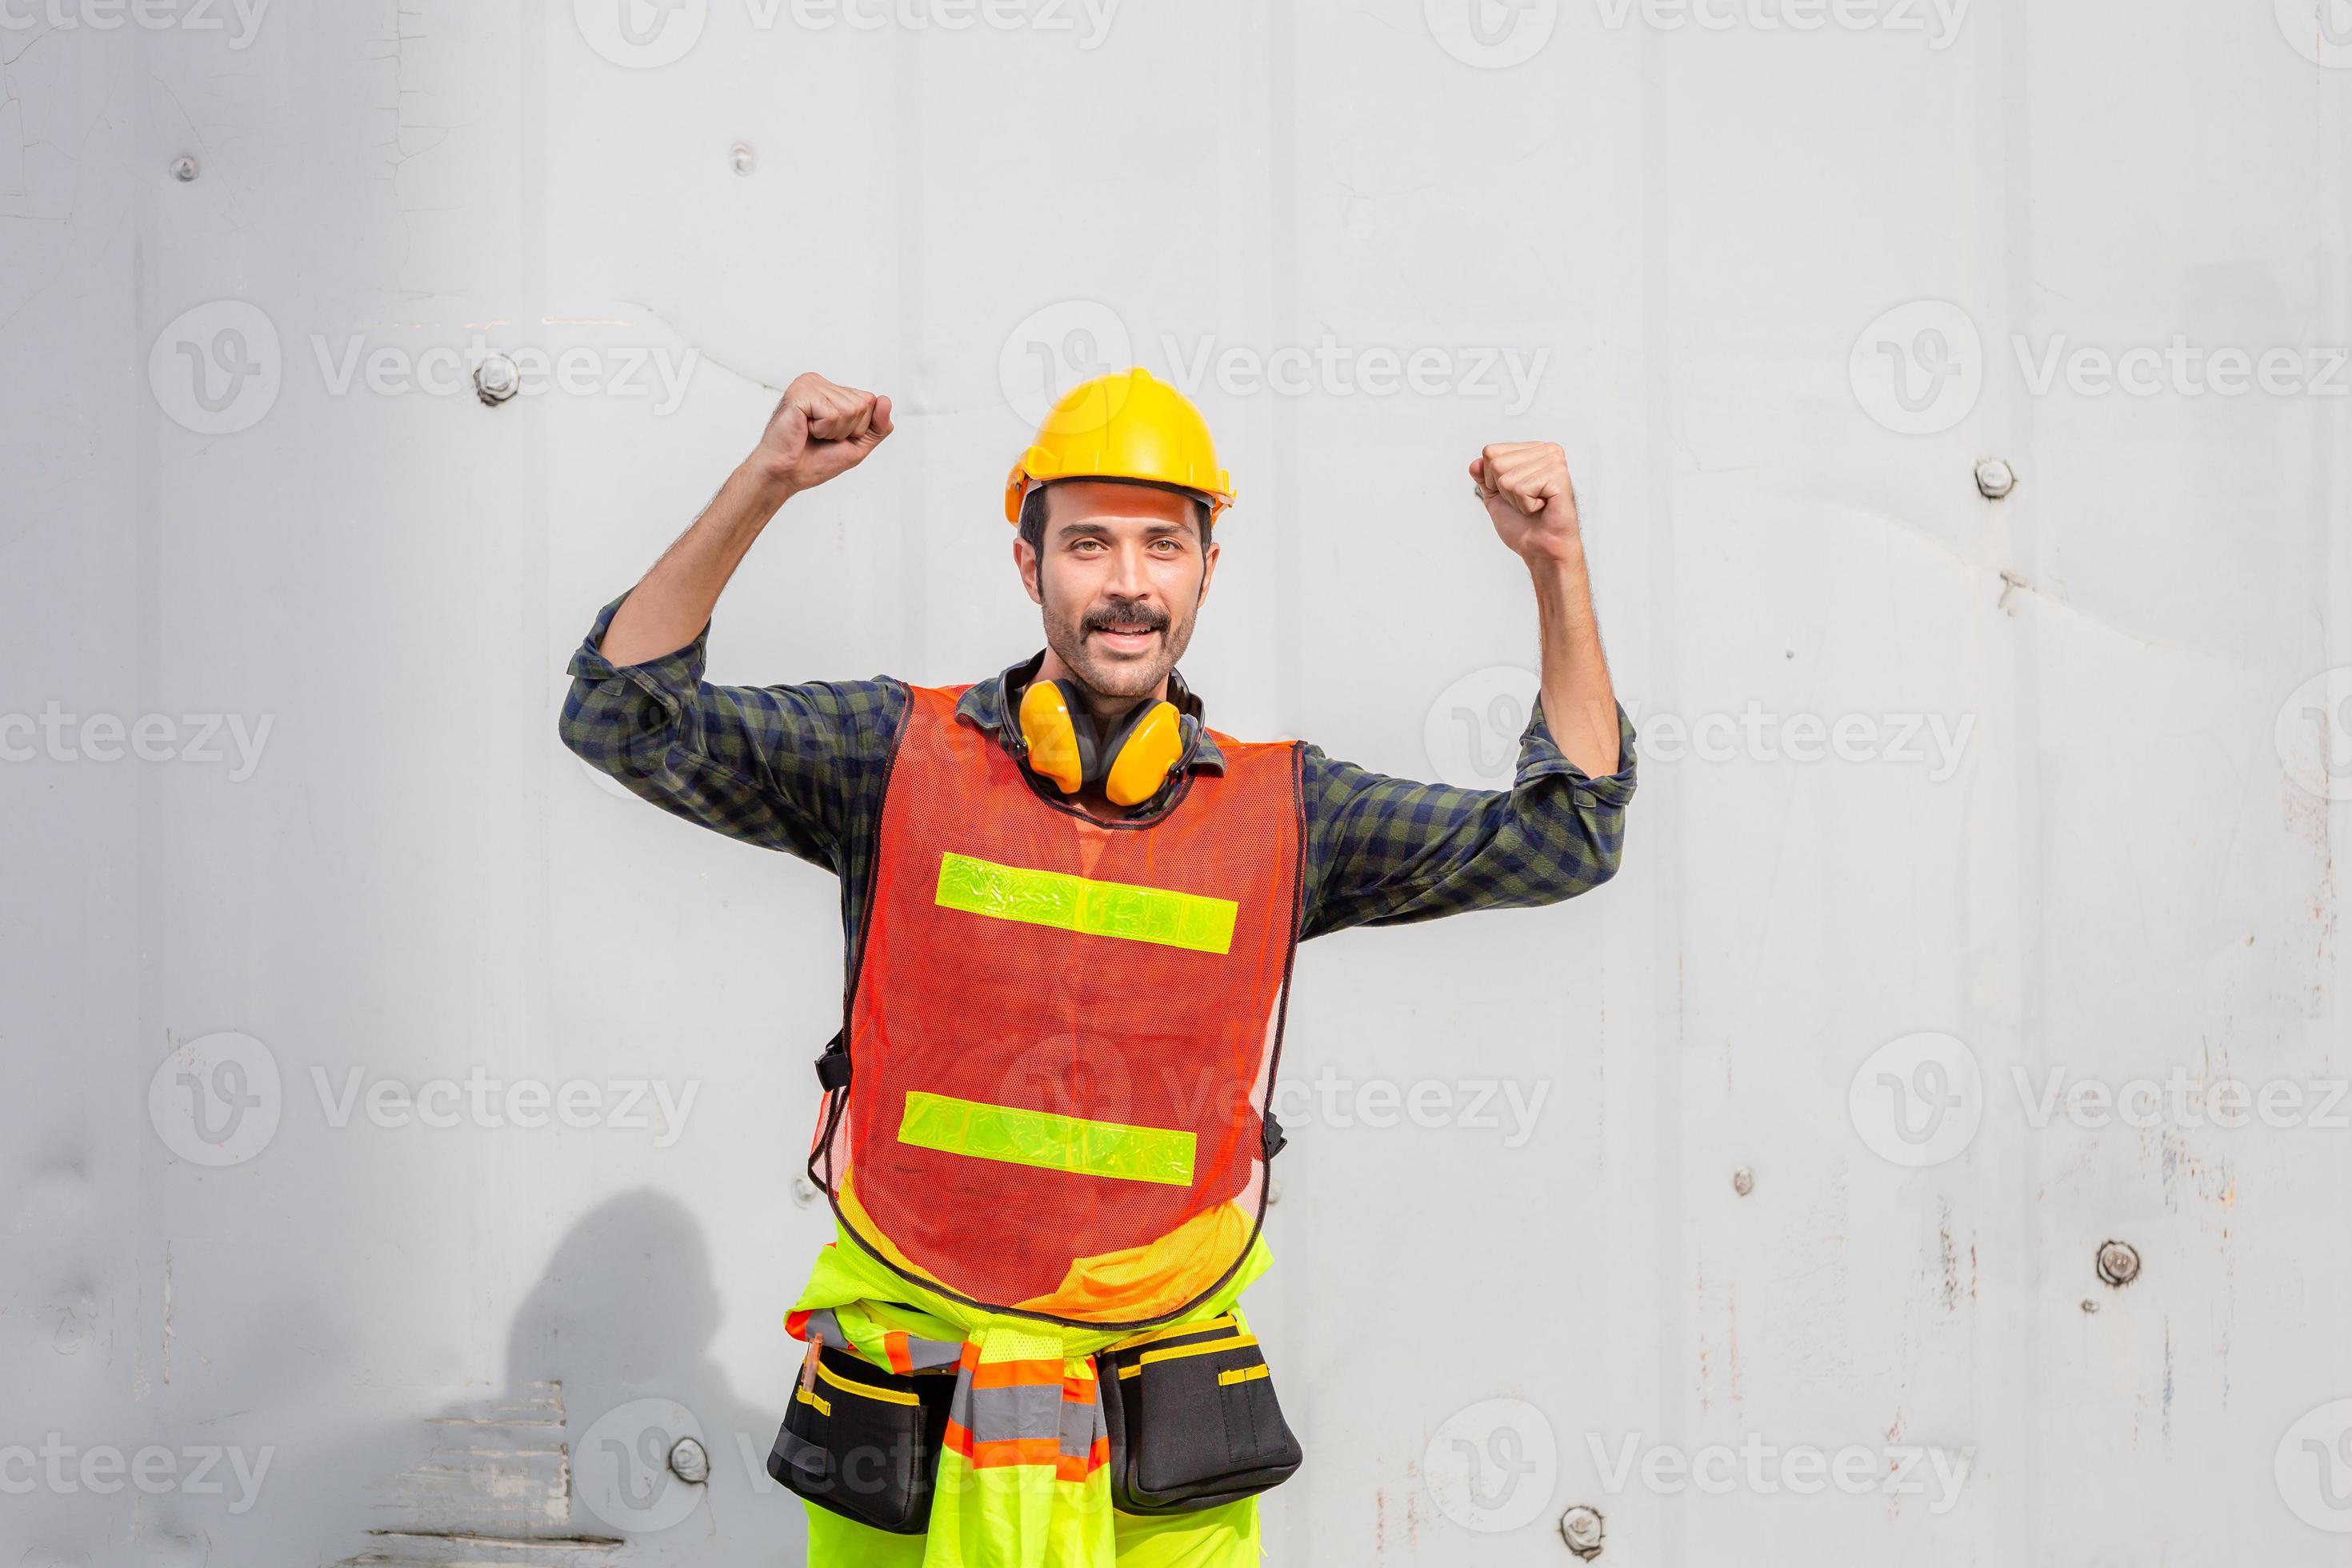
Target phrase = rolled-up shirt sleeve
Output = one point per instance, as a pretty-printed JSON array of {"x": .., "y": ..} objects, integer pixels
[
  {"x": 784, "y": 767},
  {"x": 1389, "y": 851}
]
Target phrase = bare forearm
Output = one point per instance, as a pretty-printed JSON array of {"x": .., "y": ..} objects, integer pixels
[
  {"x": 1529, "y": 496},
  {"x": 669, "y": 608},
  {"x": 1580, "y": 706}
]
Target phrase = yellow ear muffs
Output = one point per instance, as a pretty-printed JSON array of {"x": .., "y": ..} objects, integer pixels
[
  {"x": 1139, "y": 753},
  {"x": 1138, "y": 767},
  {"x": 1051, "y": 738}
]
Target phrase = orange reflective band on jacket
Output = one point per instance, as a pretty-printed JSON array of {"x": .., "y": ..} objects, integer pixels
[
  {"x": 1062, "y": 1030},
  {"x": 1027, "y": 1413}
]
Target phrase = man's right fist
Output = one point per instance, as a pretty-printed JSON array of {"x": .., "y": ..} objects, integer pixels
[{"x": 820, "y": 429}]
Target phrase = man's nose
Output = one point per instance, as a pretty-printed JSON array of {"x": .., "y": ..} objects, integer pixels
[{"x": 1128, "y": 579}]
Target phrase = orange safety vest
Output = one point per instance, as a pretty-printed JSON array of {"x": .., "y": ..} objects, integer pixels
[{"x": 1061, "y": 1031}]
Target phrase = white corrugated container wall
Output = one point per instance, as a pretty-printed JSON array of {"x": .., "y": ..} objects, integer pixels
[{"x": 1769, "y": 1158}]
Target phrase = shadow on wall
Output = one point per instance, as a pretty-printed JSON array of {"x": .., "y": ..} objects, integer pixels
[{"x": 607, "y": 1370}]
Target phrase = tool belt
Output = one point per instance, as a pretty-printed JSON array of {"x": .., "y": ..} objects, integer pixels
[
  {"x": 864, "y": 1441},
  {"x": 1193, "y": 1420},
  {"x": 1192, "y": 1416}
]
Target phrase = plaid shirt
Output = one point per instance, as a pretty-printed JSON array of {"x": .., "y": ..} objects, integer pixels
[{"x": 802, "y": 769}]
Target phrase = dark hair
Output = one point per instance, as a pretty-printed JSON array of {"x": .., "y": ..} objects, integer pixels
[{"x": 1032, "y": 513}]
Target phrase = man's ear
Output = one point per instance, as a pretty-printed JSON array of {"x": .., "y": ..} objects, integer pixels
[
  {"x": 1208, "y": 569},
  {"x": 1025, "y": 558}
]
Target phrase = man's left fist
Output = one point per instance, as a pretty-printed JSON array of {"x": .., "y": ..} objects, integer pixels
[{"x": 1526, "y": 486}]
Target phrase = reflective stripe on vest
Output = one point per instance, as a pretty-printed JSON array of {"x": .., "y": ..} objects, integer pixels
[
  {"x": 1098, "y": 909},
  {"x": 1062, "y": 1030},
  {"x": 1047, "y": 1140}
]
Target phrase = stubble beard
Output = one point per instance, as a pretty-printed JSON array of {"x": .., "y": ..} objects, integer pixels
[{"x": 1125, "y": 679}]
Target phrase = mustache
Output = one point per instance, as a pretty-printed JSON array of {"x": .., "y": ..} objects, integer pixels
[{"x": 1124, "y": 613}]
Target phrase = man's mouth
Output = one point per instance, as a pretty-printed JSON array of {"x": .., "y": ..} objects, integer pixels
[{"x": 1126, "y": 635}]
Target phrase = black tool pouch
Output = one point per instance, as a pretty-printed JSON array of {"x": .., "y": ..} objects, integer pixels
[
  {"x": 864, "y": 1441},
  {"x": 1193, "y": 1421}
]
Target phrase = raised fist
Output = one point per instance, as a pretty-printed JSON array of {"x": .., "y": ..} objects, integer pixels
[
  {"x": 820, "y": 429},
  {"x": 1526, "y": 486}
]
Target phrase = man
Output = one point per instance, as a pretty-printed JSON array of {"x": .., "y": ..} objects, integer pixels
[{"x": 1070, "y": 911}]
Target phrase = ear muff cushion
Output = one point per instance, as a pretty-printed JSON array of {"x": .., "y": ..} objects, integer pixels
[
  {"x": 1055, "y": 752},
  {"x": 1148, "y": 742}
]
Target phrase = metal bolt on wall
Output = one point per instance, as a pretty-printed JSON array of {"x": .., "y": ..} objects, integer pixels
[
  {"x": 1581, "y": 1528},
  {"x": 2118, "y": 1262},
  {"x": 497, "y": 379}
]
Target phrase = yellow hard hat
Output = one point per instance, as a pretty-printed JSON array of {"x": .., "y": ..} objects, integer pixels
[{"x": 1128, "y": 425}]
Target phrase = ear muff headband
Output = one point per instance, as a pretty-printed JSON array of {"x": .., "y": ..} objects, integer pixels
[{"x": 1131, "y": 764}]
